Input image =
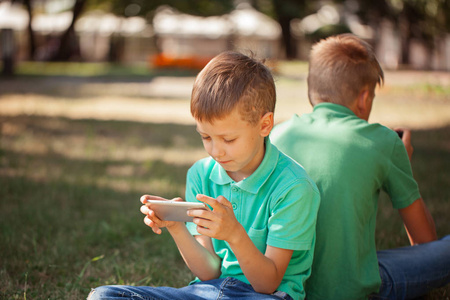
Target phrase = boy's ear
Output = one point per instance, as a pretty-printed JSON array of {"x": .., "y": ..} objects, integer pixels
[
  {"x": 266, "y": 124},
  {"x": 364, "y": 104}
]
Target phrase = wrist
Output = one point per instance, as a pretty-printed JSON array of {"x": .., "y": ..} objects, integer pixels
[
  {"x": 238, "y": 234},
  {"x": 176, "y": 227}
]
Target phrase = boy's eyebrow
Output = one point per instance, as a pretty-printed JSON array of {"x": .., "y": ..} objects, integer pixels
[
  {"x": 220, "y": 135},
  {"x": 200, "y": 132}
]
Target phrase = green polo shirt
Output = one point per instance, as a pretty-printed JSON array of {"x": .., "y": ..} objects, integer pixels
[
  {"x": 277, "y": 205},
  {"x": 351, "y": 161}
]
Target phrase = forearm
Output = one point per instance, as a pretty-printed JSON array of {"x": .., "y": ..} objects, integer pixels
[
  {"x": 203, "y": 263},
  {"x": 260, "y": 270},
  {"x": 418, "y": 222}
]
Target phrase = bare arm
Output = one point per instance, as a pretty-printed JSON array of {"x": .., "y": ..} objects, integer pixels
[
  {"x": 418, "y": 223},
  {"x": 263, "y": 271},
  {"x": 197, "y": 252}
]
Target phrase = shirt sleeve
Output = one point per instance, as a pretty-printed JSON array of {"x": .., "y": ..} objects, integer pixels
[
  {"x": 292, "y": 224},
  {"x": 400, "y": 183}
]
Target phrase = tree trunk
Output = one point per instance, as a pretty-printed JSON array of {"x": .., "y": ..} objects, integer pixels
[
  {"x": 285, "y": 13},
  {"x": 290, "y": 47},
  {"x": 405, "y": 37},
  {"x": 8, "y": 50},
  {"x": 31, "y": 40},
  {"x": 68, "y": 46}
]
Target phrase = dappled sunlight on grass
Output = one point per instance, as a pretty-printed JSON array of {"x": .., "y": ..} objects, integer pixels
[
  {"x": 99, "y": 108},
  {"x": 118, "y": 155}
]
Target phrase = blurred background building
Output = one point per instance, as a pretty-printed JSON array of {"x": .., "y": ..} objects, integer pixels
[{"x": 181, "y": 33}]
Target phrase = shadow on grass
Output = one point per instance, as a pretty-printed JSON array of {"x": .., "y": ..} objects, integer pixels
[
  {"x": 69, "y": 202},
  {"x": 78, "y": 80},
  {"x": 120, "y": 133}
]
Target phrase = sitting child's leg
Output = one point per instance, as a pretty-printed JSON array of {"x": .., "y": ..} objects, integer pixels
[
  {"x": 225, "y": 288},
  {"x": 123, "y": 292},
  {"x": 413, "y": 271}
]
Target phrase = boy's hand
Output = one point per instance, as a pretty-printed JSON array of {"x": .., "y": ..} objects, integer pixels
[
  {"x": 219, "y": 223},
  {"x": 406, "y": 139},
  {"x": 151, "y": 219}
]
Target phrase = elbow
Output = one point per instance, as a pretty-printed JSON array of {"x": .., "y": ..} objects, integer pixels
[
  {"x": 430, "y": 238},
  {"x": 265, "y": 288},
  {"x": 268, "y": 284},
  {"x": 264, "y": 291},
  {"x": 422, "y": 240},
  {"x": 208, "y": 275},
  {"x": 206, "y": 278}
]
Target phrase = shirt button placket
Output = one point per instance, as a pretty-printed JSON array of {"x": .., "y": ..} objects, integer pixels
[{"x": 234, "y": 199}]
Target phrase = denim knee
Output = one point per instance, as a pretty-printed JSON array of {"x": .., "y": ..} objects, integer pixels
[{"x": 101, "y": 292}]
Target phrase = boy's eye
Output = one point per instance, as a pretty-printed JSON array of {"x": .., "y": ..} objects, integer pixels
[
  {"x": 229, "y": 141},
  {"x": 205, "y": 137}
]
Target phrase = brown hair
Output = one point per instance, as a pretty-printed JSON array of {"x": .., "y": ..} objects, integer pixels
[
  {"x": 339, "y": 67},
  {"x": 231, "y": 79}
]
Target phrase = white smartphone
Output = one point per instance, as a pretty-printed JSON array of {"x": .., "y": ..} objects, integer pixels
[{"x": 174, "y": 210}]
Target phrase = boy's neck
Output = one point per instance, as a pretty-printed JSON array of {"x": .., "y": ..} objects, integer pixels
[{"x": 361, "y": 107}]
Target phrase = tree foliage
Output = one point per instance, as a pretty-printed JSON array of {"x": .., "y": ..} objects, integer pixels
[
  {"x": 285, "y": 12},
  {"x": 145, "y": 8},
  {"x": 425, "y": 20}
]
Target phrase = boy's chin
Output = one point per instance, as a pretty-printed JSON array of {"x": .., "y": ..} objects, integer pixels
[{"x": 228, "y": 167}]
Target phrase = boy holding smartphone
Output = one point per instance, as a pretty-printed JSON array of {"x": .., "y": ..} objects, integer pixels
[{"x": 257, "y": 239}]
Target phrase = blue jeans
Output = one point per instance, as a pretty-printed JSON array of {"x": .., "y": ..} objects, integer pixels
[
  {"x": 411, "y": 272},
  {"x": 223, "y": 288}
]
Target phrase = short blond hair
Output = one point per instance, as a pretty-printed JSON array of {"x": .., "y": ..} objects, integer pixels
[
  {"x": 340, "y": 67},
  {"x": 230, "y": 80}
]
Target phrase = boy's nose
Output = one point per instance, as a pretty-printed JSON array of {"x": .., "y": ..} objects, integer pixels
[{"x": 217, "y": 151}]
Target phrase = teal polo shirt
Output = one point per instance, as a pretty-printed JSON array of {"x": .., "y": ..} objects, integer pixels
[
  {"x": 277, "y": 205},
  {"x": 351, "y": 161}
]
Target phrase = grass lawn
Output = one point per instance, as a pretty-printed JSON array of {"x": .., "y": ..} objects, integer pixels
[{"x": 70, "y": 188}]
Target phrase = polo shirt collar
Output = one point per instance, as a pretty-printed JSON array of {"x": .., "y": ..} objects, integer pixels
[
  {"x": 254, "y": 182},
  {"x": 333, "y": 108}
]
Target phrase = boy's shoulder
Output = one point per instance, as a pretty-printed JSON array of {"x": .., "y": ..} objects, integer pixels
[
  {"x": 286, "y": 164},
  {"x": 203, "y": 165},
  {"x": 287, "y": 171}
]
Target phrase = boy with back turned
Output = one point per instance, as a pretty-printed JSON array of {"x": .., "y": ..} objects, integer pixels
[
  {"x": 351, "y": 161},
  {"x": 257, "y": 240}
]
